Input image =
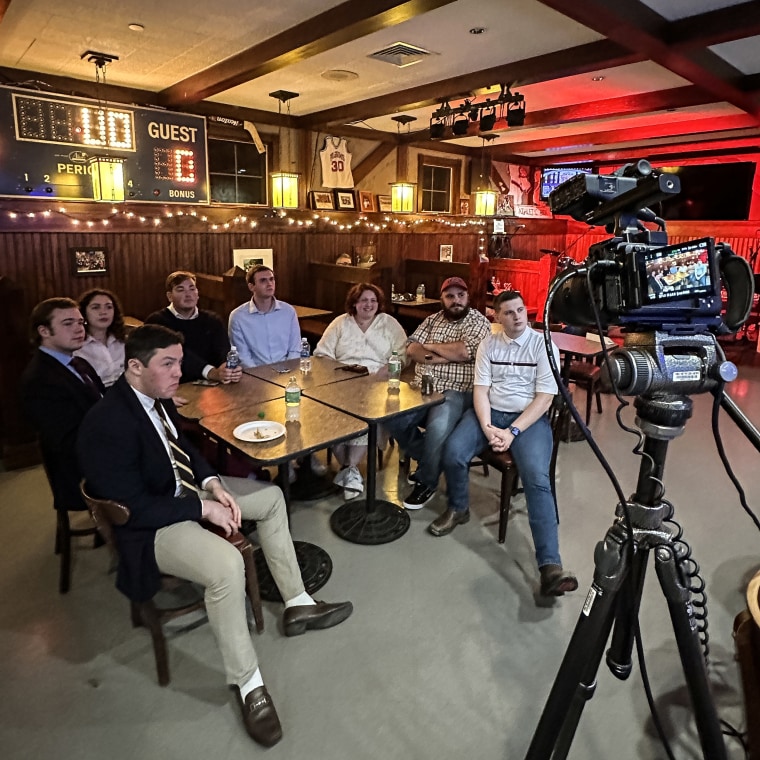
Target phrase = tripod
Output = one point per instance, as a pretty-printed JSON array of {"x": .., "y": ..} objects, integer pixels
[{"x": 615, "y": 597}]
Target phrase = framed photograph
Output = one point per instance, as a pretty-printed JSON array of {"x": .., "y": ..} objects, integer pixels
[
  {"x": 384, "y": 203},
  {"x": 446, "y": 253},
  {"x": 345, "y": 200},
  {"x": 89, "y": 261},
  {"x": 464, "y": 206},
  {"x": 366, "y": 201},
  {"x": 322, "y": 201},
  {"x": 245, "y": 258}
]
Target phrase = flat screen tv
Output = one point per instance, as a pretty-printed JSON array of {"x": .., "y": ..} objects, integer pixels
[
  {"x": 710, "y": 192},
  {"x": 554, "y": 176}
]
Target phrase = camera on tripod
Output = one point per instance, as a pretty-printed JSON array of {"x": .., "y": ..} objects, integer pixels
[{"x": 635, "y": 278}]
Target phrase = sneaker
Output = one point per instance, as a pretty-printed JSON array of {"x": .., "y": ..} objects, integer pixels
[
  {"x": 353, "y": 485},
  {"x": 317, "y": 467},
  {"x": 340, "y": 478},
  {"x": 411, "y": 477},
  {"x": 420, "y": 496}
]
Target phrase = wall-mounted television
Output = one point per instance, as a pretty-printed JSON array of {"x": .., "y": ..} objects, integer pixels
[{"x": 554, "y": 176}]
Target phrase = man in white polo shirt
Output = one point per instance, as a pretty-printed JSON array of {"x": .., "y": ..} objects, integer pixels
[{"x": 513, "y": 390}]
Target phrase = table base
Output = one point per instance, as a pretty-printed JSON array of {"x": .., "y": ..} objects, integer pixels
[
  {"x": 384, "y": 524},
  {"x": 313, "y": 562}
]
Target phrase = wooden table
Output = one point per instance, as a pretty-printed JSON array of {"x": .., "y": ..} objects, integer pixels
[
  {"x": 205, "y": 400},
  {"x": 371, "y": 521},
  {"x": 309, "y": 312},
  {"x": 324, "y": 371},
  {"x": 577, "y": 346}
]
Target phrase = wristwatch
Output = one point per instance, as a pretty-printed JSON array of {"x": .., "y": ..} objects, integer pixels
[{"x": 515, "y": 431}]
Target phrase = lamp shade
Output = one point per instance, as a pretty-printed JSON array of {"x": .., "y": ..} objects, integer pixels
[
  {"x": 107, "y": 175},
  {"x": 284, "y": 190},
  {"x": 485, "y": 203},
  {"x": 402, "y": 197}
]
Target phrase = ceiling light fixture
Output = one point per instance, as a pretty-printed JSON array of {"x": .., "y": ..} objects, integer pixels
[
  {"x": 136, "y": 27},
  {"x": 485, "y": 198},
  {"x": 510, "y": 105},
  {"x": 284, "y": 183}
]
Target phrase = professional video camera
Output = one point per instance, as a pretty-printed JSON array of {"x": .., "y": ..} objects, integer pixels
[{"x": 636, "y": 279}]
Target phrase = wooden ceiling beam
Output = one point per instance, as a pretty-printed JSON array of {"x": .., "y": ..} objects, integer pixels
[
  {"x": 323, "y": 32},
  {"x": 734, "y": 22}
]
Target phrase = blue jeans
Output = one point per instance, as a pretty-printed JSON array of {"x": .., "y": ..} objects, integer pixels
[
  {"x": 438, "y": 422},
  {"x": 532, "y": 451}
]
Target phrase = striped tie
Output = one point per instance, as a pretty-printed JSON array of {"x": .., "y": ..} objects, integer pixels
[{"x": 179, "y": 455}]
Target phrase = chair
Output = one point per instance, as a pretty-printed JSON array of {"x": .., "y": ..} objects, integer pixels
[
  {"x": 107, "y": 513},
  {"x": 64, "y": 534},
  {"x": 505, "y": 464},
  {"x": 587, "y": 376}
]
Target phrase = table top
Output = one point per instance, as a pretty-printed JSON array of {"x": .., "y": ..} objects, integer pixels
[
  {"x": 324, "y": 371},
  {"x": 578, "y": 344},
  {"x": 424, "y": 302},
  {"x": 307, "y": 312},
  {"x": 205, "y": 400},
  {"x": 369, "y": 398},
  {"x": 319, "y": 426}
]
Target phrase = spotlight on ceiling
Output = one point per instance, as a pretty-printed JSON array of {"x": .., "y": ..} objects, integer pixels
[
  {"x": 487, "y": 119},
  {"x": 459, "y": 127},
  {"x": 516, "y": 114},
  {"x": 437, "y": 128}
]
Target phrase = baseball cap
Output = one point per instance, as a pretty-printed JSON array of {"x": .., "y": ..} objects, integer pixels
[{"x": 453, "y": 282}]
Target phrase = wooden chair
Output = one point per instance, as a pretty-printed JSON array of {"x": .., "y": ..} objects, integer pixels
[
  {"x": 107, "y": 513},
  {"x": 505, "y": 464},
  {"x": 64, "y": 534},
  {"x": 587, "y": 376}
]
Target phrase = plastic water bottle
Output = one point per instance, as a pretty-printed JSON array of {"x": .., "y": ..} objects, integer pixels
[
  {"x": 305, "y": 363},
  {"x": 421, "y": 292},
  {"x": 427, "y": 385},
  {"x": 233, "y": 358},
  {"x": 394, "y": 372},
  {"x": 292, "y": 400}
]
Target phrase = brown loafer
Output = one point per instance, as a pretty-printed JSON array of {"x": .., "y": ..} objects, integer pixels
[
  {"x": 449, "y": 520},
  {"x": 260, "y": 718},
  {"x": 307, "y": 617},
  {"x": 555, "y": 581}
]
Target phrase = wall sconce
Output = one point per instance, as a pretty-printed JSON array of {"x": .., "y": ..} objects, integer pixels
[
  {"x": 402, "y": 198},
  {"x": 107, "y": 175},
  {"x": 284, "y": 190},
  {"x": 485, "y": 203}
]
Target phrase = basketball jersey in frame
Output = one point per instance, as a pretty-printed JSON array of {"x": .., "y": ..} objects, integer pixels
[{"x": 336, "y": 163}]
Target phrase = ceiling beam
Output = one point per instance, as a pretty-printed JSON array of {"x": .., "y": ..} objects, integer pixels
[
  {"x": 323, "y": 32},
  {"x": 577, "y": 60},
  {"x": 734, "y": 22}
]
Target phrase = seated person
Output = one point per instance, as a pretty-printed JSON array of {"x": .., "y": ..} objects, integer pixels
[
  {"x": 364, "y": 335},
  {"x": 513, "y": 389},
  {"x": 104, "y": 345},
  {"x": 206, "y": 343},
  {"x": 57, "y": 390},
  {"x": 131, "y": 449}
]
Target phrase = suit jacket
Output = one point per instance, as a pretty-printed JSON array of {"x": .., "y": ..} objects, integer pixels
[
  {"x": 123, "y": 457},
  {"x": 55, "y": 401}
]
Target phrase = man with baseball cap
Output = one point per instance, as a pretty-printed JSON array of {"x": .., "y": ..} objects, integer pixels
[{"x": 446, "y": 342}]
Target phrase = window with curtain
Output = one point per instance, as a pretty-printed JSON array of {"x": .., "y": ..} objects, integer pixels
[{"x": 237, "y": 173}]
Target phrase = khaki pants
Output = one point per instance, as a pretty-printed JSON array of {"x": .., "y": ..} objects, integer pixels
[{"x": 188, "y": 551}]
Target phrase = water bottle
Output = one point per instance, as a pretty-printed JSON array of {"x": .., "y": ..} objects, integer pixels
[
  {"x": 421, "y": 292},
  {"x": 305, "y": 363},
  {"x": 427, "y": 385},
  {"x": 233, "y": 358},
  {"x": 292, "y": 400},
  {"x": 394, "y": 372}
]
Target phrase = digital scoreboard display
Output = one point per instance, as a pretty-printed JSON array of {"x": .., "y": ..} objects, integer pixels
[{"x": 52, "y": 145}]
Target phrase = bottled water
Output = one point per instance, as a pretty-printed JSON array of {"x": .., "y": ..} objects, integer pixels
[
  {"x": 305, "y": 364},
  {"x": 394, "y": 372},
  {"x": 421, "y": 292},
  {"x": 292, "y": 400},
  {"x": 233, "y": 358}
]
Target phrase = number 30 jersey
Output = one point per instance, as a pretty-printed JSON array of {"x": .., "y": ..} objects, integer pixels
[{"x": 336, "y": 163}]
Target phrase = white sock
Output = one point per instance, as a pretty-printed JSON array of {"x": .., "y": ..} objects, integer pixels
[
  {"x": 302, "y": 600},
  {"x": 252, "y": 683}
]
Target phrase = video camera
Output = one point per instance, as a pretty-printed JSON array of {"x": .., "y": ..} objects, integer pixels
[{"x": 635, "y": 278}]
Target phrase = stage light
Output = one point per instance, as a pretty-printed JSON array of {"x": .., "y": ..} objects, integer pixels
[
  {"x": 516, "y": 114},
  {"x": 487, "y": 119},
  {"x": 459, "y": 127}
]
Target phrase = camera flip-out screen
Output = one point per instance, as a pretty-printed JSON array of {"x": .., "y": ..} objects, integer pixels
[{"x": 684, "y": 270}]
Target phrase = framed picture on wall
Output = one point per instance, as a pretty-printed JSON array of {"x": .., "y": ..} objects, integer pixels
[
  {"x": 446, "y": 253},
  {"x": 245, "y": 258},
  {"x": 366, "y": 201},
  {"x": 322, "y": 201},
  {"x": 384, "y": 203},
  {"x": 89, "y": 261},
  {"x": 345, "y": 200}
]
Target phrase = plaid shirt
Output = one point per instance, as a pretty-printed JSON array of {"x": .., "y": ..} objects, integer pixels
[{"x": 471, "y": 330}]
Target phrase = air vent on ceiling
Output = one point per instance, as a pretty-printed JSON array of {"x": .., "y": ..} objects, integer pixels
[{"x": 400, "y": 54}]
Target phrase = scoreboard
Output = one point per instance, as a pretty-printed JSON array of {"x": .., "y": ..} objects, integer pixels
[{"x": 49, "y": 144}]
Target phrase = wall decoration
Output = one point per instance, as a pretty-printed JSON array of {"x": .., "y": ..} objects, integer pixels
[
  {"x": 464, "y": 206},
  {"x": 245, "y": 258},
  {"x": 345, "y": 200},
  {"x": 446, "y": 253},
  {"x": 89, "y": 261},
  {"x": 384, "y": 203},
  {"x": 366, "y": 201},
  {"x": 321, "y": 201}
]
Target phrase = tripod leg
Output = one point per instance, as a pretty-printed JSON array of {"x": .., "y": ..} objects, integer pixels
[
  {"x": 690, "y": 651},
  {"x": 576, "y": 679}
]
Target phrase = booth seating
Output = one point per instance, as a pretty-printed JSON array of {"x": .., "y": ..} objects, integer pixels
[{"x": 222, "y": 293}]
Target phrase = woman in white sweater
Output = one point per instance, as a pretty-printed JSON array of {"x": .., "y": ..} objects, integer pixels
[
  {"x": 104, "y": 322},
  {"x": 364, "y": 335}
]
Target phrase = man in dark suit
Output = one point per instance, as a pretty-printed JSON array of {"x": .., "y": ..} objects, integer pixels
[
  {"x": 57, "y": 390},
  {"x": 132, "y": 449}
]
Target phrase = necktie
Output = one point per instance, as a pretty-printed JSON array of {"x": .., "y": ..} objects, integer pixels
[
  {"x": 181, "y": 459},
  {"x": 84, "y": 369}
]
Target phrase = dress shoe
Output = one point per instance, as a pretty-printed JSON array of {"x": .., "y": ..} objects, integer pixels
[
  {"x": 260, "y": 717},
  {"x": 306, "y": 617},
  {"x": 449, "y": 520},
  {"x": 555, "y": 581}
]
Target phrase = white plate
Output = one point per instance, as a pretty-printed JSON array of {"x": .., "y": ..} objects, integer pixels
[{"x": 259, "y": 431}]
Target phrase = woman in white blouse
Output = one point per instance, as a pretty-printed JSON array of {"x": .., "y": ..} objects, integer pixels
[
  {"x": 364, "y": 335},
  {"x": 104, "y": 345}
]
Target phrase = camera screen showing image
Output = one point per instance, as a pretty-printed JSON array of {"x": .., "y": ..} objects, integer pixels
[{"x": 678, "y": 271}]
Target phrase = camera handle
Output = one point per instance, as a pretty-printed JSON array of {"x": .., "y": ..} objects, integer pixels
[{"x": 620, "y": 561}]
